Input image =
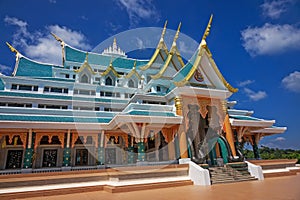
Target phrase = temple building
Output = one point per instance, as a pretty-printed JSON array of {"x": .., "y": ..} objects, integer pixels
[{"x": 106, "y": 109}]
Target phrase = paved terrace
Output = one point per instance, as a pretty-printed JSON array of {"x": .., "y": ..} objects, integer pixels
[{"x": 279, "y": 188}]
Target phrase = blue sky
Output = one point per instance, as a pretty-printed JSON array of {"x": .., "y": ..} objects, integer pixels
[{"x": 256, "y": 44}]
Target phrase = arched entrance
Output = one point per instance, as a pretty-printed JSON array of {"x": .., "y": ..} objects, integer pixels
[{"x": 222, "y": 149}]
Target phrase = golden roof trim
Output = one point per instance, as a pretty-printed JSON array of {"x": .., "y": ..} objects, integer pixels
[
  {"x": 185, "y": 80},
  {"x": 14, "y": 50},
  {"x": 173, "y": 50},
  {"x": 133, "y": 72},
  {"x": 207, "y": 30},
  {"x": 57, "y": 38},
  {"x": 110, "y": 68},
  {"x": 161, "y": 46}
]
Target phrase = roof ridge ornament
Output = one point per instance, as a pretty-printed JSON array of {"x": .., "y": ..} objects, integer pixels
[
  {"x": 164, "y": 30},
  {"x": 177, "y": 34},
  {"x": 207, "y": 30},
  {"x": 57, "y": 38},
  {"x": 14, "y": 50}
]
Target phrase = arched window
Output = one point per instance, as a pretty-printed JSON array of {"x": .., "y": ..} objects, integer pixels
[
  {"x": 131, "y": 83},
  {"x": 84, "y": 79},
  {"x": 108, "y": 81}
]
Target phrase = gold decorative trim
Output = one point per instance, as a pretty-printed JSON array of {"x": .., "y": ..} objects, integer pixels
[
  {"x": 112, "y": 69},
  {"x": 173, "y": 51},
  {"x": 185, "y": 80},
  {"x": 14, "y": 50},
  {"x": 85, "y": 65},
  {"x": 161, "y": 46},
  {"x": 57, "y": 38},
  {"x": 207, "y": 30},
  {"x": 133, "y": 72},
  {"x": 219, "y": 74}
]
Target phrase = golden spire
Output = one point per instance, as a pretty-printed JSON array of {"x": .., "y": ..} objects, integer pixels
[
  {"x": 57, "y": 38},
  {"x": 177, "y": 33},
  {"x": 207, "y": 30},
  {"x": 115, "y": 41},
  {"x": 164, "y": 30},
  {"x": 12, "y": 49}
]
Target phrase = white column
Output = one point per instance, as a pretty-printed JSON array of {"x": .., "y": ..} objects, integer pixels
[
  {"x": 29, "y": 139},
  {"x": 68, "y": 138}
]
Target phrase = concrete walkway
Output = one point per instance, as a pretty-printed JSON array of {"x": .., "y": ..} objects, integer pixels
[{"x": 279, "y": 188}]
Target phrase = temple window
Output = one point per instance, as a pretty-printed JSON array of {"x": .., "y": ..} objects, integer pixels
[
  {"x": 56, "y": 90},
  {"x": 158, "y": 89},
  {"x": 85, "y": 92},
  {"x": 24, "y": 87},
  {"x": 109, "y": 81},
  {"x": 131, "y": 83},
  {"x": 84, "y": 79}
]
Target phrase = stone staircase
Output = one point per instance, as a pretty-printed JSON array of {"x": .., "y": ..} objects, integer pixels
[{"x": 231, "y": 172}]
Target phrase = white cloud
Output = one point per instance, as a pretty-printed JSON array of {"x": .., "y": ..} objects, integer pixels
[
  {"x": 255, "y": 96},
  {"x": 274, "y": 9},
  {"x": 279, "y": 139},
  {"x": 140, "y": 43},
  {"x": 52, "y": 1},
  {"x": 270, "y": 39},
  {"x": 246, "y": 82},
  {"x": 40, "y": 45},
  {"x": 292, "y": 81},
  {"x": 139, "y": 9},
  {"x": 184, "y": 48},
  {"x": 5, "y": 69}
]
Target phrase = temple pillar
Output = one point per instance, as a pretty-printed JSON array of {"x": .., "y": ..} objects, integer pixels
[
  {"x": 67, "y": 150},
  {"x": 101, "y": 150},
  {"x": 29, "y": 151},
  {"x": 229, "y": 135},
  {"x": 171, "y": 148},
  {"x": 255, "y": 147},
  {"x": 141, "y": 150},
  {"x": 183, "y": 145},
  {"x": 182, "y": 135},
  {"x": 130, "y": 151}
]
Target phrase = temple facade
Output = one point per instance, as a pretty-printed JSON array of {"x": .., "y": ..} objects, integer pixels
[{"x": 106, "y": 109}]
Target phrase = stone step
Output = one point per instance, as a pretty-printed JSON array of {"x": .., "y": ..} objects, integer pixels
[{"x": 119, "y": 174}]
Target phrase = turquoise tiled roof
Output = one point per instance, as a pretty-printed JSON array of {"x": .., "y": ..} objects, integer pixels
[
  {"x": 65, "y": 97},
  {"x": 56, "y": 79},
  {"x": 1, "y": 84},
  {"x": 53, "y": 118},
  {"x": 242, "y": 117},
  {"x": 56, "y": 112},
  {"x": 149, "y": 113},
  {"x": 75, "y": 55},
  {"x": 183, "y": 72},
  {"x": 27, "y": 67}
]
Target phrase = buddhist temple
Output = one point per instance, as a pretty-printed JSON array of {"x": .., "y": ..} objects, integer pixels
[{"x": 101, "y": 110}]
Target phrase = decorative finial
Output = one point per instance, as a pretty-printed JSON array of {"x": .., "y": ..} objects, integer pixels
[
  {"x": 164, "y": 30},
  {"x": 207, "y": 30},
  {"x": 57, "y": 38},
  {"x": 111, "y": 60},
  {"x": 134, "y": 65},
  {"x": 12, "y": 49},
  {"x": 177, "y": 33},
  {"x": 115, "y": 41},
  {"x": 86, "y": 57}
]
